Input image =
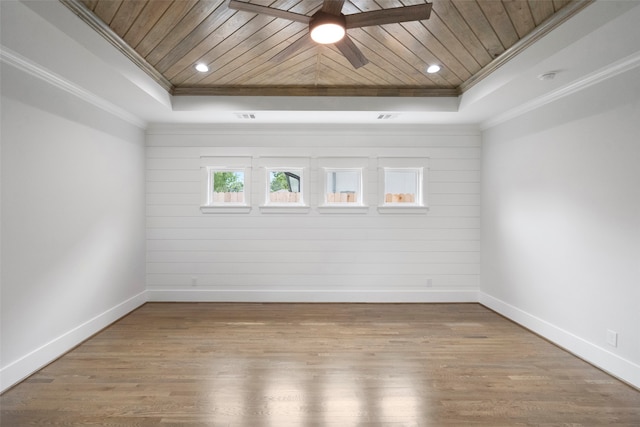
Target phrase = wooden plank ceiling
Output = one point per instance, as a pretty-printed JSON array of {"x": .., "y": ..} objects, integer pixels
[{"x": 467, "y": 38}]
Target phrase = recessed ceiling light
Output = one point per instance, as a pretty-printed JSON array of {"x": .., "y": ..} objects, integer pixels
[
  {"x": 433, "y": 69},
  {"x": 203, "y": 68}
]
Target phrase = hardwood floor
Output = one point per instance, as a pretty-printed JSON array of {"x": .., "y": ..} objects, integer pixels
[{"x": 219, "y": 364}]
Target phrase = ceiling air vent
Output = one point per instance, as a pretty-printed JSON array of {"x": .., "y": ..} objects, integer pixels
[
  {"x": 246, "y": 116},
  {"x": 387, "y": 116}
]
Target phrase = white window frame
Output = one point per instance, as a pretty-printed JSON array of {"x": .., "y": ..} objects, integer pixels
[
  {"x": 211, "y": 165},
  {"x": 327, "y": 165},
  {"x": 403, "y": 164},
  {"x": 297, "y": 165}
]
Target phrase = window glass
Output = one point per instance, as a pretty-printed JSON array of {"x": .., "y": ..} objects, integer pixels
[
  {"x": 228, "y": 186},
  {"x": 284, "y": 186},
  {"x": 343, "y": 186},
  {"x": 401, "y": 186}
]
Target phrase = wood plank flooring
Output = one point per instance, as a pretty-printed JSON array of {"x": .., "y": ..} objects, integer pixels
[{"x": 232, "y": 364}]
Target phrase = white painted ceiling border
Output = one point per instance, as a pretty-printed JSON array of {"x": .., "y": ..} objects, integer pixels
[
  {"x": 21, "y": 63},
  {"x": 626, "y": 64},
  {"x": 361, "y": 129}
]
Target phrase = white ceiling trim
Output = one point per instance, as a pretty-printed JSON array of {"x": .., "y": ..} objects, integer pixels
[
  {"x": 316, "y": 129},
  {"x": 605, "y": 73},
  {"x": 18, "y": 61}
]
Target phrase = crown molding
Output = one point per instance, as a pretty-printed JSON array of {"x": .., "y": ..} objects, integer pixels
[
  {"x": 105, "y": 31},
  {"x": 21, "y": 63},
  {"x": 540, "y": 31},
  {"x": 605, "y": 73},
  {"x": 337, "y": 91}
]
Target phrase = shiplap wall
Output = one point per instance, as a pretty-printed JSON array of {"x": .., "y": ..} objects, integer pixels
[{"x": 314, "y": 256}]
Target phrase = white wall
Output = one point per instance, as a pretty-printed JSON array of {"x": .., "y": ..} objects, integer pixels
[
  {"x": 313, "y": 256},
  {"x": 560, "y": 196},
  {"x": 561, "y": 222},
  {"x": 72, "y": 222}
]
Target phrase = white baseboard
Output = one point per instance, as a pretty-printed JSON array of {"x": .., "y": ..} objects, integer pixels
[
  {"x": 609, "y": 362},
  {"x": 40, "y": 357},
  {"x": 395, "y": 296}
]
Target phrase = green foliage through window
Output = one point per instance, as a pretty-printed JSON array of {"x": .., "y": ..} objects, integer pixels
[
  {"x": 228, "y": 182},
  {"x": 279, "y": 181},
  {"x": 287, "y": 181}
]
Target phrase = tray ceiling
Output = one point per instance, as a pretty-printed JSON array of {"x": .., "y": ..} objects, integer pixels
[{"x": 467, "y": 38}]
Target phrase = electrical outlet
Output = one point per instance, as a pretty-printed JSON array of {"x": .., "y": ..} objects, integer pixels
[
  {"x": 612, "y": 338},
  {"x": 429, "y": 283},
  {"x": 194, "y": 281}
]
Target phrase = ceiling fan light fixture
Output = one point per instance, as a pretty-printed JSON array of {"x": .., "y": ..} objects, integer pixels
[{"x": 326, "y": 28}]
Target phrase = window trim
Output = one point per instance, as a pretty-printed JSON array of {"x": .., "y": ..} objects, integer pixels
[
  {"x": 343, "y": 163},
  {"x": 420, "y": 166},
  {"x": 325, "y": 206},
  {"x": 211, "y": 165},
  {"x": 296, "y": 165}
]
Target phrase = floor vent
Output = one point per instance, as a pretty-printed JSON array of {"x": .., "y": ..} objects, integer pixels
[{"x": 246, "y": 116}]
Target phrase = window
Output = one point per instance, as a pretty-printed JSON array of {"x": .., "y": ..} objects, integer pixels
[
  {"x": 402, "y": 185},
  {"x": 228, "y": 186},
  {"x": 226, "y": 183},
  {"x": 342, "y": 182},
  {"x": 285, "y": 184},
  {"x": 343, "y": 186}
]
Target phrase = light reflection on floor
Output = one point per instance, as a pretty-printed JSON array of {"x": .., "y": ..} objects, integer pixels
[{"x": 287, "y": 395}]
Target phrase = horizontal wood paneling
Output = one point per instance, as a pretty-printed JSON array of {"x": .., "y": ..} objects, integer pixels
[
  {"x": 333, "y": 256},
  {"x": 234, "y": 245},
  {"x": 315, "y": 234},
  {"x": 163, "y": 146},
  {"x": 284, "y": 281},
  {"x": 188, "y": 209},
  {"x": 364, "y": 224},
  {"x": 188, "y": 250},
  {"x": 311, "y": 268}
]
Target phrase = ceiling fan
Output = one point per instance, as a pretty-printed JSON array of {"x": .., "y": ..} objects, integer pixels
[{"x": 329, "y": 25}]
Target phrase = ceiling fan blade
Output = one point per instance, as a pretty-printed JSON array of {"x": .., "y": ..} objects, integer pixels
[
  {"x": 351, "y": 52},
  {"x": 277, "y": 13},
  {"x": 334, "y": 7},
  {"x": 389, "y": 16},
  {"x": 303, "y": 42}
]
